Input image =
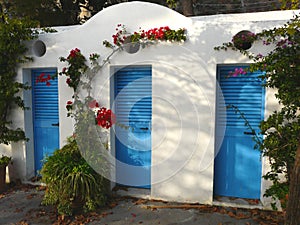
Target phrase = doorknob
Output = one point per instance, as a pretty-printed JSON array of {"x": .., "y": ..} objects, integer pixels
[
  {"x": 249, "y": 133},
  {"x": 55, "y": 124},
  {"x": 144, "y": 128}
]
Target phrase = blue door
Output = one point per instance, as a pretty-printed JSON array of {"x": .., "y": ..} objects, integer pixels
[
  {"x": 237, "y": 171},
  {"x": 45, "y": 117},
  {"x": 133, "y": 108}
]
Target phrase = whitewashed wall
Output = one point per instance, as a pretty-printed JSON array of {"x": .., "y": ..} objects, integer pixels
[{"x": 184, "y": 87}]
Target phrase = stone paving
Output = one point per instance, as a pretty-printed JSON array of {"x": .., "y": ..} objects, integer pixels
[{"x": 24, "y": 207}]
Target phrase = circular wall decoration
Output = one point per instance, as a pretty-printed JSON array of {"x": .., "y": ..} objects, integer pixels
[
  {"x": 131, "y": 47},
  {"x": 243, "y": 40},
  {"x": 39, "y": 48}
]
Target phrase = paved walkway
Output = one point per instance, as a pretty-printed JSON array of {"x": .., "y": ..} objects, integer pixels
[{"x": 23, "y": 207}]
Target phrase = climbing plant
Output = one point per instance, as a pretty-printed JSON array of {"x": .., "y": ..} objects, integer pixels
[
  {"x": 282, "y": 128},
  {"x": 76, "y": 181},
  {"x": 13, "y": 33}
]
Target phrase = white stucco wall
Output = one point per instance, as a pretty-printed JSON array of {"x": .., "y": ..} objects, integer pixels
[{"x": 184, "y": 89}]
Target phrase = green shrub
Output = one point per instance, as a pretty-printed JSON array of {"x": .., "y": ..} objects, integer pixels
[
  {"x": 4, "y": 160},
  {"x": 72, "y": 185}
]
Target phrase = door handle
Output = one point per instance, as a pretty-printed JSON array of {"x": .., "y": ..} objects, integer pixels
[
  {"x": 249, "y": 133},
  {"x": 55, "y": 124},
  {"x": 144, "y": 128}
]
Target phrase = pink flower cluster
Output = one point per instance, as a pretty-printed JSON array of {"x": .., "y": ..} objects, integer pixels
[
  {"x": 237, "y": 72},
  {"x": 284, "y": 43}
]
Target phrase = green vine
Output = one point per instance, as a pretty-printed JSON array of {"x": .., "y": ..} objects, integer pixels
[
  {"x": 282, "y": 128},
  {"x": 89, "y": 141},
  {"x": 256, "y": 138},
  {"x": 5, "y": 160},
  {"x": 146, "y": 37},
  {"x": 13, "y": 33}
]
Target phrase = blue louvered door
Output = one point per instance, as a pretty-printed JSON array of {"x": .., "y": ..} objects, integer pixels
[
  {"x": 237, "y": 170},
  {"x": 45, "y": 117},
  {"x": 133, "y": 108}
]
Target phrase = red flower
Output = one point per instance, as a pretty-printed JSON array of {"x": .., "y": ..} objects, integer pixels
[
  {"x": 42, "y": 78},
  {"x": 64, "y": 69},
  {"x": 69, "y": 106},
  {"x": 39, "y": 78},
  {"x": 68, "y": 81},
  {"x": 105, "y": 118},
  {"x": 73, "y": 53},
  {"x": 93, "y": 104}
]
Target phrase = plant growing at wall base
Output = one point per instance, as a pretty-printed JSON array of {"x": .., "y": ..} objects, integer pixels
[
  {"x": 72, "y": 185},
  {"x": 63, "y": 171},
  {"x": 4, "y": 160}
]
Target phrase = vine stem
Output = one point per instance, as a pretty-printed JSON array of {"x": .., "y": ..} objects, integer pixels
[
  {"x": 98, "y": 67},
  {"x": 247, "y": 123}
]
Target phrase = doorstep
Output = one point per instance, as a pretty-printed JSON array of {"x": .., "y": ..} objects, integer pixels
[{"x": 237, "y": 202}]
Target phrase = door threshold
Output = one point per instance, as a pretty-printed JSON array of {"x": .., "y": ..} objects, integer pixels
[
  {"x": 237, "y": 202},
  {"x": 142, "y": 193}
]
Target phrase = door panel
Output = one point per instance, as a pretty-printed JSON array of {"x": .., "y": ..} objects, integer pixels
[
  {"x": 45, "y": 117},
  {"x": 238, "y": 164},
  {"x": 133, "y": 108}
]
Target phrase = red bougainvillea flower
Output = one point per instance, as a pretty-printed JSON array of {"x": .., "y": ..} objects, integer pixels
[
  {"x": 155, "y": 33},
  {"x": 69, "y": 105},
  {"x": 73, "y": 53},
  {"x": 163, "y": 33},
  {"x": 105, "y": 118},
  {"x": 68, "y": 81},
  {"x": 93, "y": 104},
  {"x": 43, "y": 78},
  {"x": 119, "y": 37}
]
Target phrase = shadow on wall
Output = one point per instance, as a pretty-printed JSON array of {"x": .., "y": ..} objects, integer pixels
[{"x": 183, "y": 125}]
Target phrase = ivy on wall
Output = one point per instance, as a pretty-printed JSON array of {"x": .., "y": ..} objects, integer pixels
[
  {"x": 281, "y": 130},
  {"x": 13, "y": 33}
]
